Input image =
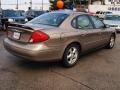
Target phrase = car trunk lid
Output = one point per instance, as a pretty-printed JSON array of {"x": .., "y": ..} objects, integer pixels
[
  {"x": 23, "y": 32},
  {"x": 19, "y": 32}
]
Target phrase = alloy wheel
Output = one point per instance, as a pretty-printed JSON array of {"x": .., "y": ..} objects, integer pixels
[{"x": 72, "y": 55}]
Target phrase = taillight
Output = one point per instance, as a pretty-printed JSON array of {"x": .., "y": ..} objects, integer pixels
[{"x": 38, "y": 36}]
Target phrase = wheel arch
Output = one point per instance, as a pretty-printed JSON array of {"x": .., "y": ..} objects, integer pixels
[
  {"x": 65, "y": 63},
  {"x": 73, "y": 43}
]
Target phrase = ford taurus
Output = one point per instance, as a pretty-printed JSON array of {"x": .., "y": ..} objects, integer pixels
[{"x": 59, "y": 35}]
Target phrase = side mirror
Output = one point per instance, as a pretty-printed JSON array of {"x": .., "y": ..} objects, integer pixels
[{"x": 107, "y": 26}]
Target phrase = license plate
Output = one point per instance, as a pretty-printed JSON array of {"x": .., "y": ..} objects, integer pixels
[{"x": 16, "y": 35}]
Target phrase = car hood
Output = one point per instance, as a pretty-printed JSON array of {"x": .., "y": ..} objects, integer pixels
[{"x": 111, "y": 22}]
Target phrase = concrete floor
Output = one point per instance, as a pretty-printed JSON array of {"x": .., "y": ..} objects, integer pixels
[{"x": 98, "y": 70}]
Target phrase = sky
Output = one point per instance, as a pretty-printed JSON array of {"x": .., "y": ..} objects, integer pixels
[
  {"x": 24, "y": 4},
  {"x": 22, "y": 1}
]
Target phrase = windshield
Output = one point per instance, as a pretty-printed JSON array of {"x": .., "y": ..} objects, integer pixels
[
  {"x": 112, "y": 17},
  {"x": 51, "y": 19},
  {"x": 10, "y": 13}
]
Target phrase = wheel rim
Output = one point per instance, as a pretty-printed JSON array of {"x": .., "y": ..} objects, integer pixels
[
  {"x": 72, "y": 55},
  {"x": 112, "y": 41}
]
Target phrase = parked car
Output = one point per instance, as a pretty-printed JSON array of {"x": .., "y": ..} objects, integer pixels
[
  {"x": 21, "y": 12},
  {"x": 102, "y": 14},
  {"x": 59, "y": 35},
  {"x": 33, "y": 13},
  {"x": 113, "y": 21},
  {"x": 13, "y": 16}
]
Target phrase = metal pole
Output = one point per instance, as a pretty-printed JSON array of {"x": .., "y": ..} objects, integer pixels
[
  {"x": 103, "y": 2},
  {"x": 17, "y": 5},
  {"x": 0, "y": 4},
  {"x": 89, "y": 2},
  {"x": 73, "y": 2},
  {"x": 80, "y": 2},
  {"x": 31, "y": 4},
  {"x": 42, "y": 5}
]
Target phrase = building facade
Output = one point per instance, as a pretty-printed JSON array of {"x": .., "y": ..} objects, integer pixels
[
  {"x": 70, "y": 4},
  {"x": 107, "y": 6},
  {"x": 92, "y": 1}
]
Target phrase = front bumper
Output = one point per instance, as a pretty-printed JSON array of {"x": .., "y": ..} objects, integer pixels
[
  {"x": 117, "y": 29},
  {"x": 32, "y": 52}
]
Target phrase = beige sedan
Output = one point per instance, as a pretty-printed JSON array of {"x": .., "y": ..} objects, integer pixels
[{"x": 59, "y": 35}]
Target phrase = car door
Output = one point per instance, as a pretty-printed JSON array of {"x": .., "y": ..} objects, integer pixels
[
  {"x": 100, "y": 27},
  {"x": 87, "y": 35}
]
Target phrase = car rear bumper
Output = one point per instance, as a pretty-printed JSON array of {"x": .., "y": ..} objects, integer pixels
[{"x": 32, "y": 52}]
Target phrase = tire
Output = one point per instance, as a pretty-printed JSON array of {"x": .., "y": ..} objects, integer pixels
[
  {"x": 71, "y": 55},
  {"x": 111, "y": 43}
]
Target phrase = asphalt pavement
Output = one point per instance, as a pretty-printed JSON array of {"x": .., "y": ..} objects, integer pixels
[{"x": 99, "y": 70}]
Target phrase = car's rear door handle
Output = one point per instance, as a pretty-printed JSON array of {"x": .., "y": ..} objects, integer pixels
[
  {"x": 100, "y": 33},
  {"x": 83, "y": 34}
]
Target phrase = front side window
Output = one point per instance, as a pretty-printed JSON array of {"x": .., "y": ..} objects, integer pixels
[
  {"x": 84, "y": 22},
  {"x": 98, "y": 23},
  {"x": 51, "y": 19}
]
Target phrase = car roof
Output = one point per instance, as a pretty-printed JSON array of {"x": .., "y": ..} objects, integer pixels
[{"x": 68, "y": 12}]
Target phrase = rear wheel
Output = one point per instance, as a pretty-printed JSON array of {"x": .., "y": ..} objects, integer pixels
[
  {"x": 111, "y": 42},
  {"x": 71, "y": 55}
]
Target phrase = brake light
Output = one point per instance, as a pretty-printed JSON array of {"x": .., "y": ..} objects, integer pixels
[{"x": 38, "y": 36}]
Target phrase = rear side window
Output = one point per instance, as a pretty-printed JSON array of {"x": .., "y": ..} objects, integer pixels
[
  {"x": 84, "y": 22},
  {"x": 98, "y": 23}
]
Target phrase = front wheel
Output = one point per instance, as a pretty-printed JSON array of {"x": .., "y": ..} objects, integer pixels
[
  {"x": 111, "y": 42},
  {"x": 71, "y": 55}
]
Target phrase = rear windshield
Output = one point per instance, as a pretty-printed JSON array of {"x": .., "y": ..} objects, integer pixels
[
  {"x": 112, "y": 17},
  {"x": 51, "y": 19}
]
